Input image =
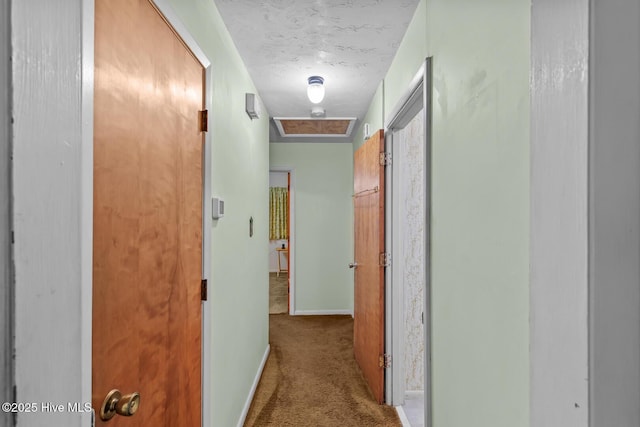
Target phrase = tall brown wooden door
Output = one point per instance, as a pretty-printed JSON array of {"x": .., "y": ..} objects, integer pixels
[
  {"x": 368, "y": 202},
  {"x": 147, "y": 252}
]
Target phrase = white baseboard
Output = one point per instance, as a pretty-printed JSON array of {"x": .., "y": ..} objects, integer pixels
[
  {"x": 322, "y": 312},
  {"x": 252, "y": 392},
  {"x": 403, "y": 417}
]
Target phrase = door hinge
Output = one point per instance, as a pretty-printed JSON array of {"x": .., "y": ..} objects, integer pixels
[
  {"x": 384, "y": 361},
  {"x": 204, "y": 121},
  {"x": 203, "y": 290},
  {"x": 385, "y": 158},
  {"x": 384, "y": 259}
]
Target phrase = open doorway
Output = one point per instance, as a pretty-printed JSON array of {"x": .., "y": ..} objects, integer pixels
[
  {"x": 408, "y": 237},
  {"x": 280, "y": 242}
]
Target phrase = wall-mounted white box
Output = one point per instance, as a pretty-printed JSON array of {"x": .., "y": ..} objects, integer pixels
[
  {"x": 217, "y": 208},
  {"x": 252, "y": 105}
]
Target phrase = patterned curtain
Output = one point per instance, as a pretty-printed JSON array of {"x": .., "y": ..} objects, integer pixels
[{"x": 278, "y": 221}]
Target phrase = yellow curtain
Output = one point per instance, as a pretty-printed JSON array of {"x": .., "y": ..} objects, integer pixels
[{"x": 278, "y": 220}]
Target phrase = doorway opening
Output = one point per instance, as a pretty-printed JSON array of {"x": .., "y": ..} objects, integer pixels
[
  {"x": 281, "y": 220},
  {"x": 408, "y": 237}
]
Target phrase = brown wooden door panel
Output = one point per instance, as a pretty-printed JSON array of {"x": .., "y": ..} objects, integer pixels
[
  {"x": 147, "y": 216},
  {"x": 369, "y": 274}
]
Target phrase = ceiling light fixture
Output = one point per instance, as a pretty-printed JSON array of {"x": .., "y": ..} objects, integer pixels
[
  {"x": 318, "y": 111},
  {"x": 315, "y": 90}
]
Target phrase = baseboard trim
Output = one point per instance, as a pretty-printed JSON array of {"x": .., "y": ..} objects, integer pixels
[
  {"x": 322, "y": 312},
  {"x": 254, "y": 386},
  {"x": 403, "y": 417},
  {"x": 414, "y": 393}
]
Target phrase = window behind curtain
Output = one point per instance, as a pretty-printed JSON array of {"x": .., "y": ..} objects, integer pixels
[{"x": 278, "y": 215}]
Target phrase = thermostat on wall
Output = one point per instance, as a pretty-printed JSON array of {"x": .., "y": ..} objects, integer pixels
[{"x": 217, "y": 206}]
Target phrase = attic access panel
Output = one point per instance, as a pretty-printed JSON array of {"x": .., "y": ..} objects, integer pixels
[{"x": 301, "y": 127}]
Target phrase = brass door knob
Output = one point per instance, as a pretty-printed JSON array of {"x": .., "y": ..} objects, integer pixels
[{"x": 116, "y": 403}]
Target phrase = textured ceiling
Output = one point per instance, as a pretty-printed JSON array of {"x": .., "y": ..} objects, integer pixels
[{"x": 350, "y": 43}]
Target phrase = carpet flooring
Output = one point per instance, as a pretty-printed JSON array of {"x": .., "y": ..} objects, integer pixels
[
  {"x": 311, "y": 378},
  {"x": 278, "y": 294}
]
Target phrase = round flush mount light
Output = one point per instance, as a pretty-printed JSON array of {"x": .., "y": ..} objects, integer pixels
[{"x": 315, "y": 90}]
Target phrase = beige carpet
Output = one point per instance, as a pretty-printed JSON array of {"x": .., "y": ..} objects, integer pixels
[
  {"x": 311, "y": 378},
  {"x": 278, "y": 294}
]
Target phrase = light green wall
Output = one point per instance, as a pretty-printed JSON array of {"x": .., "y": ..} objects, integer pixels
[
  {"x": 323, "y": 185},
  {"x": 409, "y": 58},
  {"x": 238, "y": 292},
  {"x": 480, "y": 211},
  {"x": 375, "y": 117},
  {"x": 480, "y": 204}
]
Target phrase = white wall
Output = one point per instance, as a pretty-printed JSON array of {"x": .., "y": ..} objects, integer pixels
[
  {"x": 586, "y": 166},
  {"x": 323, "y": 224},
  {"x": 614, "y": 221},
  {"x": 6, "y": 345},
  {"x": 559, "y": 147},
  {"x": 277, "y": 179},
  {"x": 51, "y": 141}
]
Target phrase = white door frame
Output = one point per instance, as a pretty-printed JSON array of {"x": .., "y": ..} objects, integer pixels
[
  {"x": 6, "y": 286},
  {"x": 418, "y": 94},
  {"x": 292, "y": 233}
]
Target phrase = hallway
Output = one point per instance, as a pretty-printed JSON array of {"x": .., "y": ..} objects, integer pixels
[
  {"x": 278, "y": 294},
  {"x": 535, "y": 205},
  {"x": 311, "y": 378}
]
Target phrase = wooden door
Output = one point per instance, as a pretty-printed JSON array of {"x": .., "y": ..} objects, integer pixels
[
  {"x": 368, "y": 200},
  {"x": 147, "y": 252}
]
